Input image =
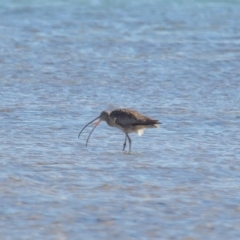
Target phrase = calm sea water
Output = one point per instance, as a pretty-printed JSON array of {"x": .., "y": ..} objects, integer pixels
[{"x": 62, "y": 63}]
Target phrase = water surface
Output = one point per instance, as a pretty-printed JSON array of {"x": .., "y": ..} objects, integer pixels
[{"x": 62, "y": 63}]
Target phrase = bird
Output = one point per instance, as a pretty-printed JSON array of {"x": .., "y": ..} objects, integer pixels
[{"x": 127, "y": 120}]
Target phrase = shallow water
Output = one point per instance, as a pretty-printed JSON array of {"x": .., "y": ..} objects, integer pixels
[{"x": 63, "y": 63}]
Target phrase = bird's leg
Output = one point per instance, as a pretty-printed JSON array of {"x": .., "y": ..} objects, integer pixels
[
  {"x": 129, "y": 140},
  {"x": 124, "y": 144}
]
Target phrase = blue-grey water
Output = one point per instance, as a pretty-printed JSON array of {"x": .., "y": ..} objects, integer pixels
[{"x": 63, "y": 62}]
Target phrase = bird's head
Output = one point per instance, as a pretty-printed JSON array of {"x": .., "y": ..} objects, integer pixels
[{"x": 104, "y": 116}]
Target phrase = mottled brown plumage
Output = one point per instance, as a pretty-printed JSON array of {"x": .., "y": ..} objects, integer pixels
[{"x": 127, "y": 120}]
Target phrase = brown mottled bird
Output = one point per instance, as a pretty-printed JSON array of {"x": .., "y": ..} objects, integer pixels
[{"x": 127, "y": 120}]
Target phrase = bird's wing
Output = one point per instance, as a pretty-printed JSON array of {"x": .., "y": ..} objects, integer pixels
[{"x": 128, "y": 118}]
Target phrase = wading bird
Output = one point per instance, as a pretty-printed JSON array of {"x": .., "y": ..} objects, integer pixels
[{"x": 127, "y": 120}]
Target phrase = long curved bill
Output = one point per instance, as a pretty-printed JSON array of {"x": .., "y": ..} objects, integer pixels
[{"x": 96, "y": 124}]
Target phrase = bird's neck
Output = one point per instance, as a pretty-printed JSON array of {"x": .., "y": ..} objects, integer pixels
[{"x": 110, "y": 121}]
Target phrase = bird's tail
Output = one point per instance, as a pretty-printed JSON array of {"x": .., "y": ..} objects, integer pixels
[
  {"x": 157, "y": 124},
  {"x": 150, "y": 124}
]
